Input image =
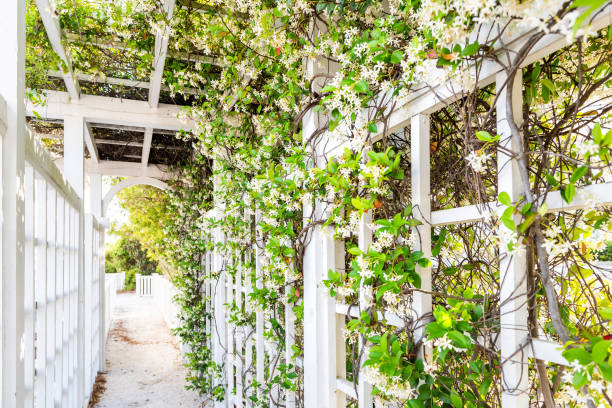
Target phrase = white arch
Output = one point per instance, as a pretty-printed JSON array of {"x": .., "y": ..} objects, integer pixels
[{"x": 132, "y": 181}]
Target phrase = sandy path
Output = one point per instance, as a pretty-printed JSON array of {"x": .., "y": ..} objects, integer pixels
[{"x": 144, "y": 368}]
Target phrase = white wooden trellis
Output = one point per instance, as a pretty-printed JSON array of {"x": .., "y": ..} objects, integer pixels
[{"x": 324, "y": 318}]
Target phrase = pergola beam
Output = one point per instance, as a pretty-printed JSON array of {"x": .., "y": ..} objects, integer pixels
[
  {"x": 127, "y": 83},
  {"x": 191, "y": 57},
  {"x": 89, "y": 141},
  {"x": 122, "y": 169},
  {"x": 159, "y": 59},
  {"x": 112, "y": 111},
  {"x": 49, "y": 18},
  {"x": 146, "y": 147}
]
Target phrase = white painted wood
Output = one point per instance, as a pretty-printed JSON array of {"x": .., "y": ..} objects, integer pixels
[
  {"x": 513, "y": 291},
  {"x": 123, "y": 169},
  {"x": 230, "y": 350},
  {"x": 29, "y": 288},
  {"x": 338, "y": 335},
  {"x": 127, "y": 83},
  {"x": 91, "y": 145},
  {"x": 346, "y": 387},
  {"x": 220, "y": 292},
  {"x": 51, "y": 315},
  {"x": 40, "y": 273},
  {"x": 49, "y": 17},
  {"x": 12, "y": 49},
  {"x": 428, "y": 100},
  {"x": 146, "y": 146},
  {"x": 364, "y": 390},
  {"x": 547, "y": 351},
  {"x": 39, "y": 158},
  {"x": 311, "y": 357},
  {"x": 239, "y": 334},
  {"x": 74, "y": 171},
  {"x": 113, "y": 111},
  {"x": 421, "y": 201},
  {"x": 60, "y": 301},
  {"x": 260, "y": 354},
  {"x": 159, "y": 55},
  {"x": 290, "y": 400},
  {"x": 326, "y": 319},
  {"x": 132, "y": 181}
]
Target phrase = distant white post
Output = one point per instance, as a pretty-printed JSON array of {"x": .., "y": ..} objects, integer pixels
[
  {"x": 12, "y": 119},
  {"x": 74, "y": 166},
  {"x": 513, "y": 296}
]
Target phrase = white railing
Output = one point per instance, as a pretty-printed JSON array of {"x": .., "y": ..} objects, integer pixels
[
  {"x": 143, "y": 285},
  {"x": 163, "y": 293},
  {"x": 118, "y": 280},
  {"x": 64, "y": 322},
  {"x": 324, "y": 365}
]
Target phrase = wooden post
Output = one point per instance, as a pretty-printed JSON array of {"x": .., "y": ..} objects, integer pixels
[
  {"x": 421, "y": 200},
  {"x": 12, "y": 89},
  {"x": 30, "y": 288},
  {"x": 513, "y": 296},
  {"x": 364, "y": 390},
  {"x": 40, "y": 273},
  {"x": 74, "y": 165}
]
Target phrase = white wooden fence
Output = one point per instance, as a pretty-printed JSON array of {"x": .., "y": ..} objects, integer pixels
[
  {"x": 118, "y": 279},
  {"x": 144, "y": 284},
  {"x": 55, "y": 320},
  {"x": 324, "y": 366}
]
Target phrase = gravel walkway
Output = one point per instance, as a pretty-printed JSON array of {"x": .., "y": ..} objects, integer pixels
[{"x": 144, "y": 367}]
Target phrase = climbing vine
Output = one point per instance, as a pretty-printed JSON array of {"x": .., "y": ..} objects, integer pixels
[{"x": 295, "y": 136}]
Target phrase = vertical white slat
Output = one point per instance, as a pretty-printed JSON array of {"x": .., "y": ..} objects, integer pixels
[
  {"x": 230, "y": 354},
  {"x": 248, "y": 358},
  {"x": 51, "y": 301},
  {"x": 87, "y": 275},
  {"x": 74, "y": 165},
  {"x": 66, "y": 296},
  {"x": 289, "y": 339},
  {"x": 12, "y": 161},
  {"x": 74, "y": 308},
  {"x": 311, "y": 352},
  {"x": 421, "y": 201},
  {"x": 513, "y": 291},
  {"x": 40, "y": 273},
  {"x": 29, "y": 288},
  {"x": 102, "y": 300},
  {"x": 239, "y": 335},
  {"x": 260, "y": 352},
  {"x": 59, "y": 296},
  {"x": 364, "y": 390},
  {"x": 220, "y": 333},
  {"x": 326, "y": 320},
  {"x": 340, "y": 319}
]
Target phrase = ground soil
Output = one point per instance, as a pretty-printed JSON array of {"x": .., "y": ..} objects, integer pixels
[{"x": 144, "y": 367}]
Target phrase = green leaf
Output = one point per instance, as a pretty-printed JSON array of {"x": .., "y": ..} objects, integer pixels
[
  {"x": 568, "y": 192},
  {"x": 578, "y": 354},
  {"x": 597, "y": 133},
  {"x": 396, "y": 57},
  {"x": 355, "y": 251},
  {"x": 549, "y": 84},
  {"x": 470, "y": 49},
  {"x": 579, "y": 173},
  {"x": 456, "y": 400},
  {"x": 606, "y": 313},
  {"x": 373, "y": 128},
  {"x": 600, "y": 351},
  {"x": 580, "y": 379},
  {"x": 460, "y": 339},
  {"x": 504, "y": 198},
  {"x": 361, "y": 86},
  {"x": 485, "y": 136}
]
